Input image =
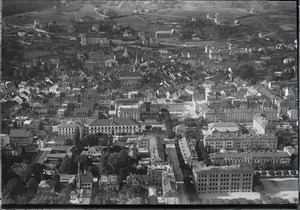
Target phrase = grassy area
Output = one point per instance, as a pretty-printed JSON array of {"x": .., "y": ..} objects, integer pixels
[{"x": 283, "y": 188}]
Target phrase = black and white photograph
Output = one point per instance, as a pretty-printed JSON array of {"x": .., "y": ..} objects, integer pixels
[{"x": 149, "y": 103}]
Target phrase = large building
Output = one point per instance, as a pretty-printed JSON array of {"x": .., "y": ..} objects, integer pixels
[
  {"x": 20, "y": 137},
  {"x": 129, "y": 112},
  {"x": 149, "y": 113},
  {"x": 246, "y": 115},
  {"x": 228, "y": 135},
  {"x": 262, "y": 125},
  {"x": 222, "y": 179},
  {"x": 155, "y": 173},
  {"x": 114, "y": 126},
  {"x": 93, "y": 40},
  {"x": 68, "y": 129},
  {"x": 234, "y": 158}
]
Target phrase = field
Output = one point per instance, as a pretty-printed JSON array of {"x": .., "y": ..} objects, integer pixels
[{"x": 283, "y": 188}]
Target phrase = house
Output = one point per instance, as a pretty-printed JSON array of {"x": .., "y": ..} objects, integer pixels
[
  {"x": 169, "y": 188},
  {"x": 109, "y": 183},
  {"x": 20, "y": 137},
  {"x": 11, "y": 150},
  {"x": 92, "y": 152},
  {"x": 188, "y": 151},
  {"x": 100, "y": 57},
  {"x": 63, "y": 150},
  {"x": 167, "y": 36},
  {"x": 29, "y": 148},
  {"x": 45, "y": 187},
  {"x": 67, "y": 178},
  {"x": 131, "y": 79},
  {"x": 137, "y": 179},
  {"x": 4, "y": 140}
]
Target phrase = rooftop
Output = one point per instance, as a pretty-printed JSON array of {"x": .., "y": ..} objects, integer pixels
[
  {"x": 224, "y": 126},
  {"x": 250, "y": 154},
  {"x": 242, "y": 168},
  {"x": 112, "y": 122},
  {"x": 19, "y": 133}
]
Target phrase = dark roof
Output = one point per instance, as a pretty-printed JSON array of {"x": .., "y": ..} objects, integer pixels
[
  {"x": 61, "y": 148},
  {"x": 86, "y": 178}
]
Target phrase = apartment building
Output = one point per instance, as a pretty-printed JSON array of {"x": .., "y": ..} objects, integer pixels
[
  {"x": 155, "y": 173},
  {"x": 169, "y": 188},
  {"x": 67, "y": 129},
  {"x": 188, "y": 151},
  {"x": 262, "y": 125},
  {"x": 222, "y": 179},
  {"x": 234, "y": 158},
  {"x": 131, "y": 79},
  {"x": 129, "y": 112},
  {"x": 246, "y": 115},
  {"x": 228, "y": 135},
  {"x": 114, "y": 126},
  {"x": 20, "y": 137}
]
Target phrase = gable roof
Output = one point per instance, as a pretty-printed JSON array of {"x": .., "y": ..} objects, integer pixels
[{"x": 111, "y": 122}]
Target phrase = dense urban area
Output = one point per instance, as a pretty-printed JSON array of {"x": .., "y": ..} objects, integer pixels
[{"x": 149, "y": 102}]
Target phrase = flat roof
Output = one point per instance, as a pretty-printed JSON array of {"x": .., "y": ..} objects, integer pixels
[{"x": 242, "y": 168}]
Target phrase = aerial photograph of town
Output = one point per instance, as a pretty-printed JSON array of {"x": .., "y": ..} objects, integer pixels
[{"x": 155, "y": 102}]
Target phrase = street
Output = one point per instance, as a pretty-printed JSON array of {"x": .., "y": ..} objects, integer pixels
[{"x": 172, "y": 154}]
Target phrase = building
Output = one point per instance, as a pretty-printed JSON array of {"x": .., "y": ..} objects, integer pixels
[
  {"x": 169, "y": 188},
  {"x": 100, "y": 57},
  {"x": 109, "y": 183},
  {"x": 65, "y": 150},
  {"x": 20, "y": 137},
  {"x": 131, "y": 79},
  {"x": 149, "y": 113},
  {"x": 68, "y": 129},
  {"x": 4, "y": 140},
  {"x": 129, "y": 112},
  {"x": 228, "y": 135},
  {"x": 138, "y": 180},
  {"x": 166, "y": 36},
  {"x": 11, "y": 150},
  {"x": 262, "y": 125},
  {"x": 125, "y": 102},
  {"x": 45, "y": 187},
  {"x": 292, "y": 114},
  {"x": 81, "y": 112},
  {"x": 114, "y": 126},
  {"x": 233, "y": 158},
  {"x": 246, "y": 115},
  {"x": 84, "y": 181},
  {"x": 222, "y": 179},
  {"x": 155, "y": 173},
  {"x": 93, "y": 40},
  {"x": 188, "y": 151}
]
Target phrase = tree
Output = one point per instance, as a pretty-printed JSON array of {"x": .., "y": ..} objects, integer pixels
[
  {"x": 90, "y": 140},
  {"x": 118, "y": 160},
  {"x": 69, "y": 142},
  {"x": 33, "y": 170},
  {"x": 132, "y": 191},
  {"x": 95, "y": 171},
  {"x": 189, "y": 122},
  {"x": 12, "y": 189},
  {"x": 50, "y": 199},
  {"x": 38, "y": 63},
  {"x": 272, "y": 173},
  {"x": 68, "y": 166},
  {"x": 76, "y": 140},
  {"x": 45, "y": 67},
  {"x": 32, "y": 186},
  {"x": 257, "y": 201},
  {"x": 65, "y": 192},
  {"x": 104, "y": 167}
]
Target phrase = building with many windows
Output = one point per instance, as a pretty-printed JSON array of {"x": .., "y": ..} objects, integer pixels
[
  {"x": 222, "y": 179},
  {"x": 20, "y": 137},
  {"x": 262, "y": 125},
  {"x": 155, "y": 173},
  {"x": 246, "y": 115},
  {"x": 233, "y": 158},
  {"x": 68, "y": 129},
  {"x": 188, "y": 151},
  {"x": 228, "y": 135},
  {"x": 131, "y": 79},
  {"x": 129, "y": 112},
  {"x": 114, "y": 126}
]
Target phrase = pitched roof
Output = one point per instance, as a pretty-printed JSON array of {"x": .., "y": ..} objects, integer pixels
[
  {"x": 86, "y": 178},
  {"x": 19, "y": 133},
  {"x": 111, "y": 122},
  {"x": 130, "y": 74}
]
